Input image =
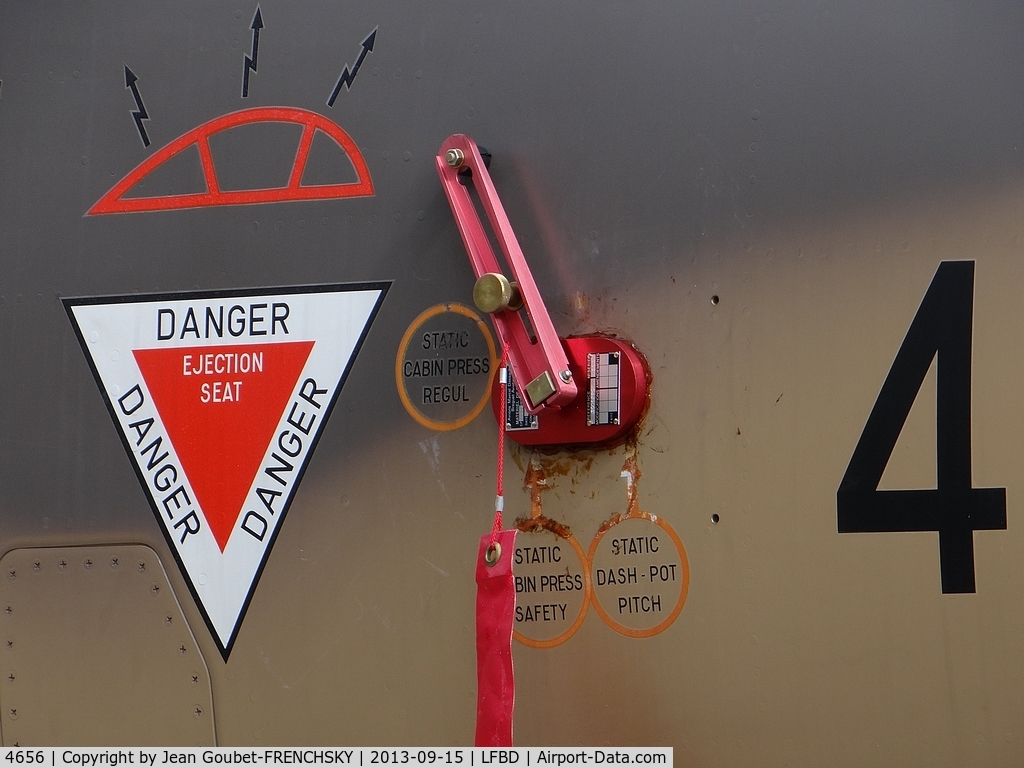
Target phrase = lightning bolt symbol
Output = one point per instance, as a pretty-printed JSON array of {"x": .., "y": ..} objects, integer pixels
[
  {"x": 346, "y": 76},
  {"x": 250, "y": 61},
  {"x": 139, "y": 114}
]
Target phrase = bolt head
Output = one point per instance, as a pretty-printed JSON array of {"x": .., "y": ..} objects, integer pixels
[
  {"x": 454, "y": 158},
  {"x": 565, "y": 376}
]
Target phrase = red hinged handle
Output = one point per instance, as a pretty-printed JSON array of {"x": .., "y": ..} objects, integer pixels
[{"x": 539, "y": 365}]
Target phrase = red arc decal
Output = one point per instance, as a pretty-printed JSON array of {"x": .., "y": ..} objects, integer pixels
[{"x": 114, "y": 201}]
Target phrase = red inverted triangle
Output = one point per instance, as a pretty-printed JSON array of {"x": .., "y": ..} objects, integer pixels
[{"x": 220, "y": 406}]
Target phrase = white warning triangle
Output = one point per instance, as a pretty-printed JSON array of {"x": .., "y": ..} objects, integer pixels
[{"x": 220, "y": 398}]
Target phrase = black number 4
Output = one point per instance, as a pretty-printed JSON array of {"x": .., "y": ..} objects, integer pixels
[{"x": 943, "y": 326}]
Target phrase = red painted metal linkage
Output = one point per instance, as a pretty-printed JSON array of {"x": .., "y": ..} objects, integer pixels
[
  {"x": 528, "y": 358},
  {"x": 585, "y": 390}
]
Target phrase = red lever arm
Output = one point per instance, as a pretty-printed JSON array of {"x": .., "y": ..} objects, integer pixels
[{"x": 538, "y": 365}]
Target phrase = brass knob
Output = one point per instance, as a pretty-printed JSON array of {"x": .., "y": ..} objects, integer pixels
[{"x": 493, "y": 292}]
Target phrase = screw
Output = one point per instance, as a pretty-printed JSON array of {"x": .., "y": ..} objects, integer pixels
[
  {"x": 63, "y": 565},
  {"x": 36, "y": 566},
  {"x": 155, "y": 589},
  {"x": 181, "y": 650},
  {"x": 8, "y": 610},
  {"x": 88, "y": 563},
  {"x": 10, "y": 643},
  {"x": 565, "y": 375},
  {"x": 168, "y": 620},
  {"x": 114, "y": 562},
  {"x": 12, "y": 574},
  {"x": 14, "y": 714},
  {"x": 11, "y": 677},
  {"x": 199, "y": 711},
  {"x": 142, "y": 566},
  {"x": 195, "y": 679}
]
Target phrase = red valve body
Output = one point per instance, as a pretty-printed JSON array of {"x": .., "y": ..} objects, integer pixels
[{"x": 569, "y": 425}]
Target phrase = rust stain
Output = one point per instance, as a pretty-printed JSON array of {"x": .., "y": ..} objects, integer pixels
[
  {"x": 581, "y": 306},
  {"x": 536, "y": 483},
  {"x": 631, "y": 468},
  {"x": 540, "y": 524},
  {"x": 631, "y": 471},
  {"x": 517, "y": 453},
  {"x": 573, "y": 466}
]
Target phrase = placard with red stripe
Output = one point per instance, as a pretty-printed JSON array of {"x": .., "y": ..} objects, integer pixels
[{"x": 219, "y": 398}]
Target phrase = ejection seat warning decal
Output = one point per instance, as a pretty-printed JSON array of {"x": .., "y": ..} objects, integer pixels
[{"x": 220, "y": 398}]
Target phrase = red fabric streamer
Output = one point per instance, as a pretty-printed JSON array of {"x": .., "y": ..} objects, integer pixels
[{"x": 495, "y": 609}]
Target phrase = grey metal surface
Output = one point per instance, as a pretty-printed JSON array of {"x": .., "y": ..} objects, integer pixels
[{"x": 809, "y": 164}]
